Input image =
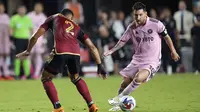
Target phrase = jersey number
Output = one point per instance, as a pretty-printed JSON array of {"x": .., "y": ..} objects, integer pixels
[{"x": 70, "y": 28}]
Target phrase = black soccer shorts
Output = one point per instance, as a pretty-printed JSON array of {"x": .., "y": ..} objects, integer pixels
[{"x": 56, "y": 63}]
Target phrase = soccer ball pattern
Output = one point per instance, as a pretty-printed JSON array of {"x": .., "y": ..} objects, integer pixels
[{"x": 127, "y": 103}]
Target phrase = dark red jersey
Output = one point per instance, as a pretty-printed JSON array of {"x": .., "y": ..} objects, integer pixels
[{"x": 67, "y": 34}]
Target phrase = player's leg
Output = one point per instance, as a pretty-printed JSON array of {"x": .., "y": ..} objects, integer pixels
[
  {"x": 115, "y": 101},
  {"x": 73, "y": 63},
  {"x": 141, "y": 77},
  {"x": 144, "y": 74},
  {"x": 126, "y": 81},
  {"x": 51, "y": 68},
  {"x": 127, "y": 74},
  {"x": 50, "y": 88}
]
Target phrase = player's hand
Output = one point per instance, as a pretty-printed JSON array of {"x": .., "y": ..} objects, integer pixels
[
  {"x": 23, "y": 54},
  {"x": 107, "y": 53},
  {"x": 175, "y": 56},
  {"x": 101, "y": 71}
]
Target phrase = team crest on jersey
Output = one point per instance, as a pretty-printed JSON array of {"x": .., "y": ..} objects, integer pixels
[
  {"x": 138, "y": 39},
  {"x": 150, "y": 31}
]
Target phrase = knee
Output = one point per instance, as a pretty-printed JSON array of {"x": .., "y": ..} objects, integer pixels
[
  {"x": 139, "y": 79},
  {"x": 142, "y": 76},
  {"x": 46, "y": 76},
  {"x": 74, "y": 78}
]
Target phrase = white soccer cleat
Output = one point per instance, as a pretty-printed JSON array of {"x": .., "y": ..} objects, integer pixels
[
  {"x": 115, "y": 108},
  {"x": 114, "y": 101}
]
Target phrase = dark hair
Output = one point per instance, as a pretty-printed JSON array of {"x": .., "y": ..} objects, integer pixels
[
  {"x": 138, "y": 6},
  {"x": 38, "y": 3},
  {"x": 21, "y": 6},
  {"x": 66, "y": 12}
]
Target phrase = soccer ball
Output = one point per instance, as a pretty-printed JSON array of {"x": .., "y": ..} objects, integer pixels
[{"x": 127, "y": 103}]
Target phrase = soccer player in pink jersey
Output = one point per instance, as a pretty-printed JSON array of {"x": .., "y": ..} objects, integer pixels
[{"x": 146, "y": 34}]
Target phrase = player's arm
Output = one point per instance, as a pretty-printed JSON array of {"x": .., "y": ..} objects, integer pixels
[
  {"x": 122, "y": 41},
  {"x": 94, "y": 51},
  {"x": 34, "y": 38},
  {"x": 83, "y": 38},
  {"x": 101, "y": 70},
  {"x": 163, "y": 33},
  {"x": 43, "y": 28},
  {"x": 170, "y": 44},
  {"x": 32, "y": 42}
]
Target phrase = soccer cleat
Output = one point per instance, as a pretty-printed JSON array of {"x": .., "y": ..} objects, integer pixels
[
  {"x": 114, "y": 101},
  {"x": 58, "y": 110},
  {"x": 93, "y": 108},
  {"x": 115, "y": 108}
]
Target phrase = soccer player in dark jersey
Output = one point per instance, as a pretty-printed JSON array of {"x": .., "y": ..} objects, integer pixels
[{"x": 66, "y": 52}]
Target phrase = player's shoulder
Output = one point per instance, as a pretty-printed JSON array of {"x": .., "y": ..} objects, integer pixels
[
  {"x": 153, "y": 20},
  {"x": 132, "y": 25}
]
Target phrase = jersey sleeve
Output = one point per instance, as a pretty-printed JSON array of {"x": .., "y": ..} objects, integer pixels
[
  {"x": 82, "y": 36},
  {"x": 161, "y": 29},
  {"x": 48, "y": 23},
  {"x": 126, "y": 35}
]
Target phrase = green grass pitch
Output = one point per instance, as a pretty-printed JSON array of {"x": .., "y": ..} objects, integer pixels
[{"x": 176, "y": 93}]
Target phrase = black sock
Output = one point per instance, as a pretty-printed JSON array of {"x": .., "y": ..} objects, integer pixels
[
  {"x": 57, "y": 105},
  {"x": 90, "y": 104}
]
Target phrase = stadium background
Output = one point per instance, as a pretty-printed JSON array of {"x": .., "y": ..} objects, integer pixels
[{"x": 170, "y": 90}]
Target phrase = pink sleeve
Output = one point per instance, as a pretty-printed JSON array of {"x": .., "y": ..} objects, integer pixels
[
  {"x": 161, "y": 27},
  {"x": 126, "y": 36}
]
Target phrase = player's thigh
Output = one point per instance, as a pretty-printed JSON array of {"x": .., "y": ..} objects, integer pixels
[
  {"x": 54, "y": 64},
  {"x": 130, "y": 71},
  {"x": 73, "y": 64},
  {"x": 142, "y": 75},
  {"x": 146, "y": 72}
]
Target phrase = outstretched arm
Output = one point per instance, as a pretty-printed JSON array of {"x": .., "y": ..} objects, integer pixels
[
  {"x": 32, "y": 42},
  {"x": 34, "y": 38},
  {"x": 125, "y": 37},
  {"x": 43, "y": 28}
]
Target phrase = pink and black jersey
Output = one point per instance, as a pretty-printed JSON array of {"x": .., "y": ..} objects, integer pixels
[{"x": 146, "y": 41}]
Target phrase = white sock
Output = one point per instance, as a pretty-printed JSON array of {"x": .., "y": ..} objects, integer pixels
[
  {"x": 38, "y": 64},
  {"x": 130, "y": 88}
]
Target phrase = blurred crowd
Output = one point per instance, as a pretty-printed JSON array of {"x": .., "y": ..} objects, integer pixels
[{"x": 15, "y": 31}]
